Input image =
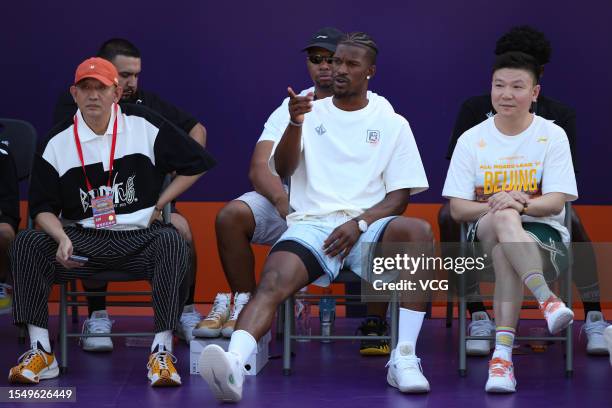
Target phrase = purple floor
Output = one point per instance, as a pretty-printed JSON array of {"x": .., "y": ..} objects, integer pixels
[{"x": 328, "y": 375}]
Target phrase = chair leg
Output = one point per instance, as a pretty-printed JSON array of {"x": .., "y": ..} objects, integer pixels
[
  {"x": 63, "y": 328},
  {"x": 449, "y": 304},
  {"x": 462, "y": 329},
  {"x": 280, "y": 321},
  {"x": 569, "y": 335},
  {"x": 288, "y": 320},
  {"x": 394, "y": 305},
  {"x": 569, "y": 351},
  {"x": 75, "y": 309}
]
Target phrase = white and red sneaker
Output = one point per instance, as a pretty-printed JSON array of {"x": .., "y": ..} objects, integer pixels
[
  {"x": 557, "y": 315},
  {"x": 501, "y": 376}
]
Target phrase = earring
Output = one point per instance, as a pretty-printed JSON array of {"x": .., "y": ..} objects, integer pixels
[{"x": 368, "y": 77}]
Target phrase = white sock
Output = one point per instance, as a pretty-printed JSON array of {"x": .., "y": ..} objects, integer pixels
[
  {"x": 243, "y": 344},
  {"x": 163, "y": 338},
  {"x": 537, "y": 285},
  {"x": 410, "y": 322},
  {"x": 504, "y": 341},
  {"x": 39, "y": 334}
]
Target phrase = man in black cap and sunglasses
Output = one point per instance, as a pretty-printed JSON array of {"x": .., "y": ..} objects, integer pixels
[{"x": 259, "y": 216}]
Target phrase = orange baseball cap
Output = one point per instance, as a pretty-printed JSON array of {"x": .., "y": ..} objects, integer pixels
[{"x": 97, "y": 68}]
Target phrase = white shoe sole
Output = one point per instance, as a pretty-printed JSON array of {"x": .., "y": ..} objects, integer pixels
[
  {"x": 500, "y": 388},
  {"x": 564, "y": 317},
  {"x": 98, "y": 348},
  {"x": 181, "y": 335},
  {"x": 45, "y": 374},
  {"x": 156, "y": 381},
  {"x": 215, "y": 369},
  {"x": 203, "y": 332},
  {"x": 598, "y": 350},
  {"x": 411, "y": 389},
  {"x": 478, "y": 347},
  {"x": 227, "y": 332}
]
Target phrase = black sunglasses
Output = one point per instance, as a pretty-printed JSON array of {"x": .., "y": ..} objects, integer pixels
[{"x": 317, "y": 59}]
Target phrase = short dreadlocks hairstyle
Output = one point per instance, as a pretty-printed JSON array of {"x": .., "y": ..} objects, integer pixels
[{"x": 360, "y": 39}]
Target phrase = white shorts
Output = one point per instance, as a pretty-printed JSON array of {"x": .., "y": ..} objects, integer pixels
[
  {"x": 312, "y": 234},
  {"x": 269, "y": 225}
]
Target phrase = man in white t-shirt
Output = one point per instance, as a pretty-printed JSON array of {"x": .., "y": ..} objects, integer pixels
[
  {"x": 258, "y": 216},
  {"x": 510, "y": 177},
  {"x": 353, "y": 166}
]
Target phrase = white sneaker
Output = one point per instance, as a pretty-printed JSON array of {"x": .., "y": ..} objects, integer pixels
[
  {"x": 223, "y": 373},
  {"x": 557, "y": 315},
  {"x": 98, "y": 323},
  {"x": 240, "y": 301},
  {"x": 189, "y": 319},
  {"x": 405, "y": 371},
  {"x": 608, "y": 337},
  {"x": 501, "y": 376},
  {"x": 219, "y": 314},
  {"x": 594, "y": 326},
  {"x": 481, "y": 325}
]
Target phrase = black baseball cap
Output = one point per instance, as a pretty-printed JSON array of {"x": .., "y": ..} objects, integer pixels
[{"x": 327, "y": 38}]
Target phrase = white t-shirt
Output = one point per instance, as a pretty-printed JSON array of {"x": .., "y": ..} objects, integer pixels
[
  {"x": 537, "y": 161},
  {"x": 279, "y": 119},
  {"x": 351, "y": 160}
]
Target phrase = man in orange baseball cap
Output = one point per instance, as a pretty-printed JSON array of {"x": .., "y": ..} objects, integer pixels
[
  {"x": 102, "y": 173},
  {"x": 126, "y": 58},
  {"x": 96, "y": 88}
]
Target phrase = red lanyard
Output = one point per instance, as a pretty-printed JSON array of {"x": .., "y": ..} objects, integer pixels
[{"x": 80, "y": 151}]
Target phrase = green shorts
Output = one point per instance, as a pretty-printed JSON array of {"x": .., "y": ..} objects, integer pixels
[{"x": 554, "y": 252}]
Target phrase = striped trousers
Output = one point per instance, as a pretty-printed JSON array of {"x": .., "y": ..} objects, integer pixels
[{"x": 157, "y": 254}]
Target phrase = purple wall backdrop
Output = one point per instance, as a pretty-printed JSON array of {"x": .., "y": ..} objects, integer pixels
[{"x": 229, "y": 64}]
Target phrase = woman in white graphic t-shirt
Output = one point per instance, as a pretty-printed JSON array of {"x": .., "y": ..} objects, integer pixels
[{"x": 509, "y": 178}]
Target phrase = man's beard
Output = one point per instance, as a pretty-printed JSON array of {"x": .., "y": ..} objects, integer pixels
[{"x": 129, "y": 96}]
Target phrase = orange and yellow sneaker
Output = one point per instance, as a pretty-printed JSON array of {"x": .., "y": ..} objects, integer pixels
[
  {"x": 162, "y": 372},
  {"x": 34, "y": 365},
  {"x": 557, "y": 315},
  {"x": 212, "y": 324},
  {"x": 501, "y": 376},
  {"x": 240, "y": 301}
]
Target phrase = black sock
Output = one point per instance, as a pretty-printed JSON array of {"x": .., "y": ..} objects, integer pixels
[
  {"x": 95, "y": 303},
  {"x": 474, "y": 307},
  {"x": 590, "y": 295},
  {"x": 591, "y": 307},
  {"x": 190, "y": 300}
]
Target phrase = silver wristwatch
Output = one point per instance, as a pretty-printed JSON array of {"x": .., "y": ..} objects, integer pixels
[{"x": 362, "y": 224}]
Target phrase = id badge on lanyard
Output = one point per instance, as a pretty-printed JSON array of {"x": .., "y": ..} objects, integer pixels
[
  {"x": 102, "y": 207},
  {"x": 103, "y": 211}
]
